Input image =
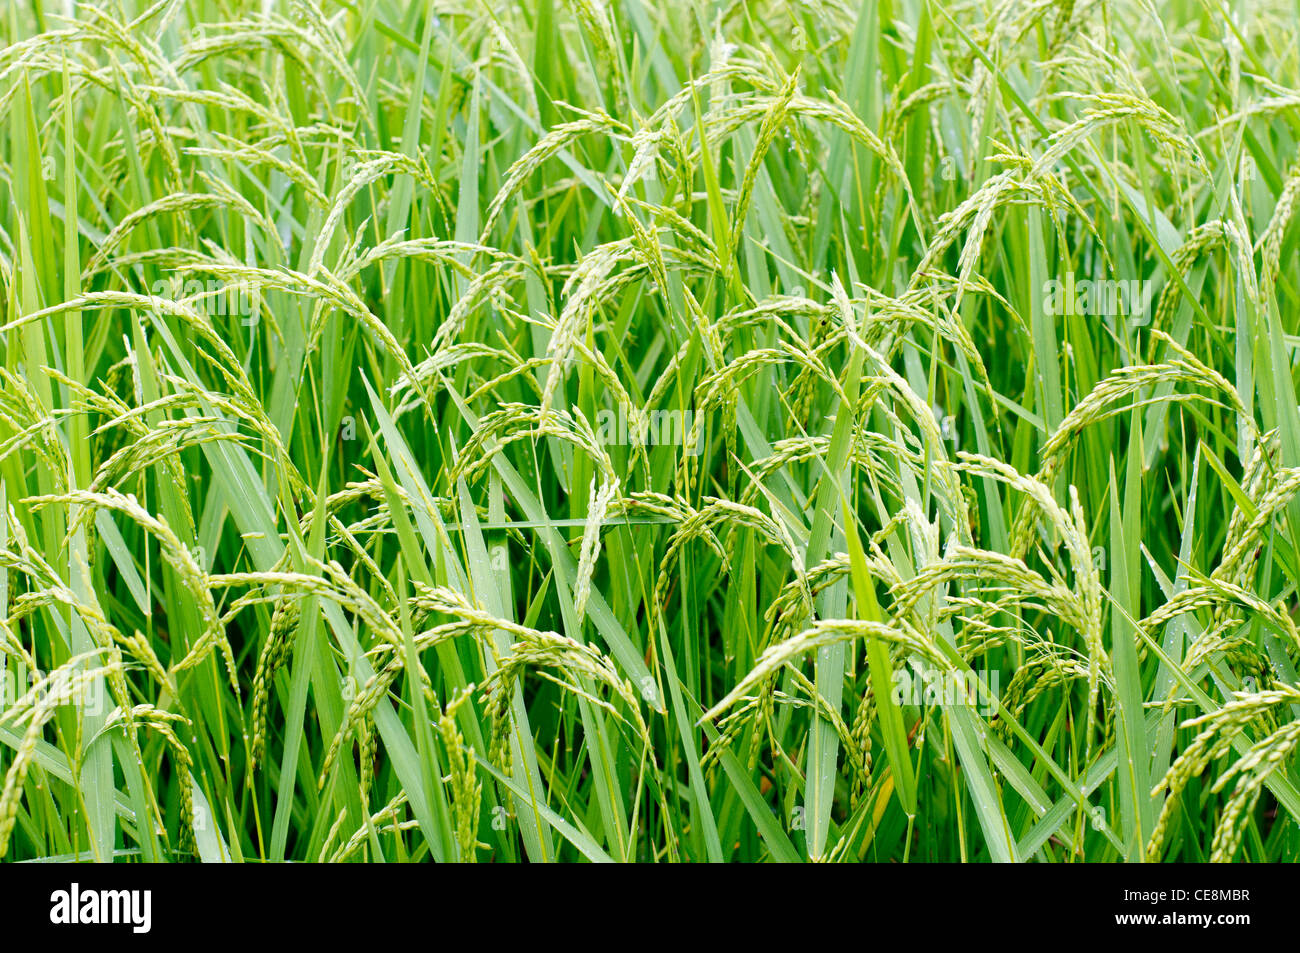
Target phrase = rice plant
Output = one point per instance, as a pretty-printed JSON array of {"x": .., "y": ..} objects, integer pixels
[{"x": 636, "y": 431}]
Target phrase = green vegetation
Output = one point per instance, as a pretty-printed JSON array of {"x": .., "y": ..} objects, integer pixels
[{"x": 620, "y": 430}]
